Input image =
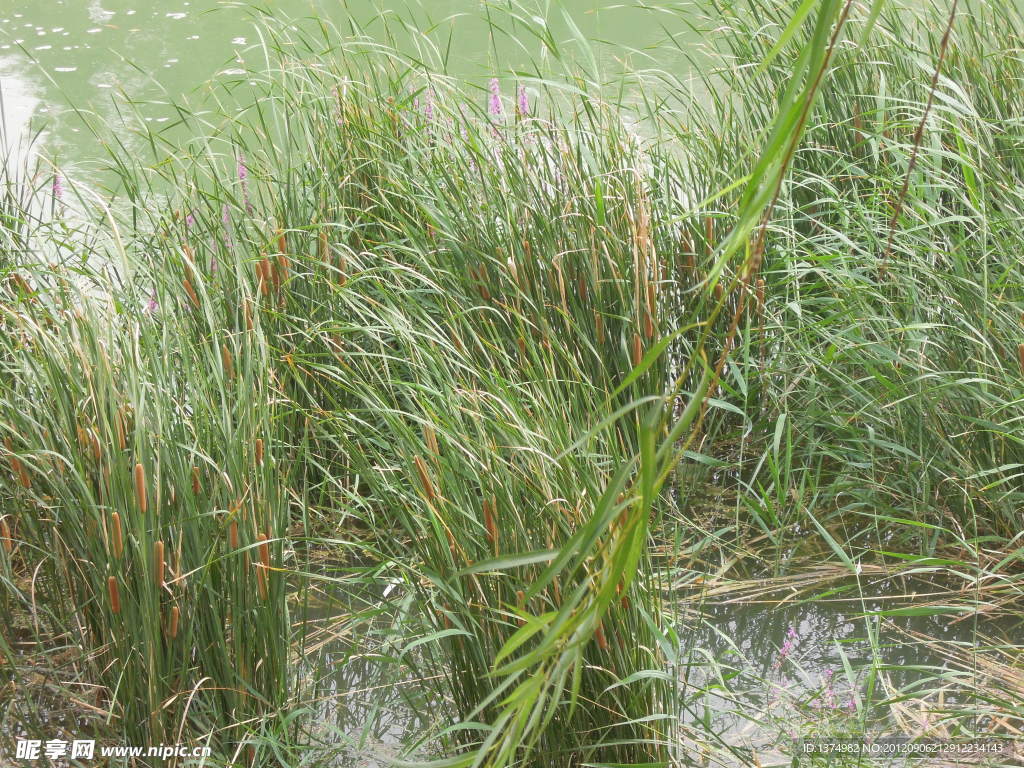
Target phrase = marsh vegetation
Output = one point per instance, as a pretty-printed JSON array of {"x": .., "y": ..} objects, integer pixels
[{"x": 548, "y": 423}]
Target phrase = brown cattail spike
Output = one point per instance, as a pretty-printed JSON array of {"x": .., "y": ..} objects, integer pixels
[
  {"x": 430, "y": 438},
  {"x": 233, "y": 534},
  {"x": 259, "y": 451},
  {"x": 262, "y": 276},
  {"x": 491, "y": 523},
  {"x": 172, "y": 630},
  {"x": 116, "y": 535},
  {"x": 191, "y": 292},
  {"x": 264, "y": 549},
  {"x": 602, "y": 641},
  {"x": 261, "y": 583},
  {"x": 638, "y": 349},
  {"x": 158, "y": 563},
  {"x": 140, "y": 488},
  {"x": 5, "y": 536},
  {"x": 325, "y": 248},
  {"x": 428, "y": 486},
  {"x": 196, "y": 484},
  {"x": 1020, "y": 356},
  {"x": 227, "y": 362},
  {"x": 115, "y": 596}
]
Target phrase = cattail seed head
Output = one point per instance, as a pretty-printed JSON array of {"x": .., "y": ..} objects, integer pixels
[
  {"x": 599, "y": 326},
  {"x": 602, "y": 641},
  {"x": 638, "y": 349},
  {"x": 325, "y": 248},
  {"x": 259, "y": 451},
  {"x": 191, "y": 292},
  {"x": 709, "y": 231},
  {"x": 428, "y": 486},
  {"x": 261, "y": 583},
  {"x": 158, "y": 563},
  {"x": 140, "y": 488},
  {"x": 233, "y": 534},
  {"x": 247, "y": 314},
  {"x": 196, "y": 484},
  {"x": 1020, "y": 356},
  {"x": 115, "y": 595},
  {"x": 342, "y": 267},
  {"x": 94, "y": 441},
  {"x": 5, "y": 536},
  {"x": 227, "y": 362},
  {"x": 430, "y": 438},
  {"x": 262, "y": 279},
  {"x": 264, "y": 549},
  {"x": 491, "y": 523},
  {"x": 759, "y": 294},
  {"x": 719, "y": 291},
  {"x": 282, "y": 242},
  {"x": 513, "y": 272},
  {"x": 172, "y": 629},
  {"x": 116, "y": 535}
]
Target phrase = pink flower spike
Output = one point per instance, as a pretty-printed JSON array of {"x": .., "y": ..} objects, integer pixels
[
  {"x": 495, "y": 100},
  {"x": 522, "y": 105}
]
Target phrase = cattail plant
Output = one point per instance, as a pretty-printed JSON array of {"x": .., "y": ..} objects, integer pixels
[
  {"x": 5, "y": 536},
  {"x": 196, "y": 481},
  {"x": 263, "y": 275},
  {"x": 140, "y": 488},
  {"x": 1020, "y": 356},
  {"x": 324, "y": 252},
  {"x": 233, "y": 535},
  {"x": 17, "y": 468},
  {"x": 430, "y": 438},
  {"x": 115, "y": 595},
  {"x": 638, "y": 349},
  {"x": 158, "y": 563},
  {"x": 227, "y": 363},
  {"x": 258, "y": 451},
  {"x": 602, "y": 641},
  {"x": 491, "y": 523},
  {"x": 428, "y": 486},
  {"x": 172, "y": 624},
  {"x": 263, "y": 570},
  {"x": 190, "y": 292}
]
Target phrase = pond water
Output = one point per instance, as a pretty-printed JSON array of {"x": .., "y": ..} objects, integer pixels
[
  {"x": 60, "y": 54},
  {"x": 755, "y": 671}
]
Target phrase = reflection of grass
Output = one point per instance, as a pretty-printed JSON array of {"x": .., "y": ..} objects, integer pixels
[{"x": 492, "y": 359}]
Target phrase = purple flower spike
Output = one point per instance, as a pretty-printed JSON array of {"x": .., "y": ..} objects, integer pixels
[
  {"x": 243, "y": 177},
  {"x": 190, "y": 219},
  {"x": 522, "y": 105},
  {"x": 428, "y": 105},
  {"x": 58, "y": 187},
  {"x": 151, "y": 305},
  {"x": 495, "y": 100}
]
